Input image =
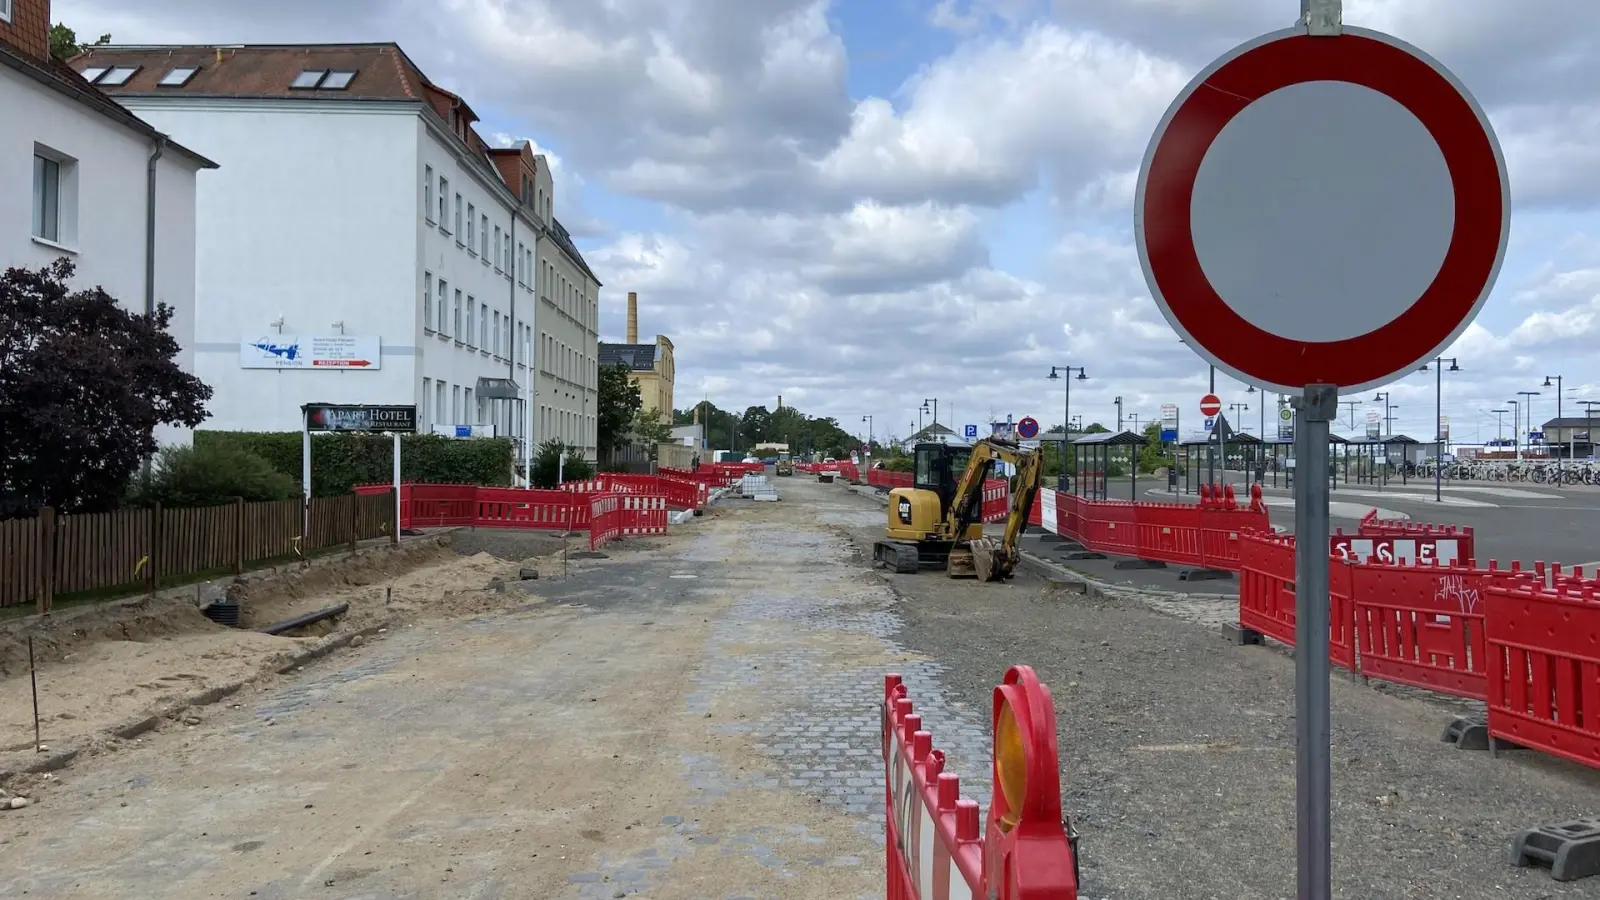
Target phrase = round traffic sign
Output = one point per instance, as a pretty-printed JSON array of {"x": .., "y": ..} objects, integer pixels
[
  {"x": 1028, "y": 428},
  {"x": 1210, "y": 405},
  {"x": 1330, "y": 209},
  {"x": 1286, "y": 414}
]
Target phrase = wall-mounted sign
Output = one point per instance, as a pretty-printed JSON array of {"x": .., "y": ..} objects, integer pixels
[
  {"x": 338, "y": 351},
  {"x": 338, "y": 417}
]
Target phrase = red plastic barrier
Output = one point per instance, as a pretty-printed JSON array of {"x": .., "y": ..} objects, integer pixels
[
  {"x": 1424, "y": 626},
  {"x": 996, "y": 500},
  {"x": 605, "y": 519},
  {"x": 643, "y": 514},
  {"x": 1267, "y": 595},
  {"x": 1373, "y": 527},
  {"x": 1544, "y": 669},
  {"x": 536, "y": 509},
  {"x": 1203, "y": 535},
  {"x": 933, "y": 849},
  {"x": 679, "y": 493}
]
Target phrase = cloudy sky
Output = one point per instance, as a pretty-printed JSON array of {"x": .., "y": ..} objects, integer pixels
[{"x": 863, "y": 204}]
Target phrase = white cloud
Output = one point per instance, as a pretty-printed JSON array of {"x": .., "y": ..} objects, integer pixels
[{"x": 860, "y": 254}]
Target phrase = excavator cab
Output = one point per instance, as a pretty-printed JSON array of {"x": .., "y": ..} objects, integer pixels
[{"x": 938, "y": 469}]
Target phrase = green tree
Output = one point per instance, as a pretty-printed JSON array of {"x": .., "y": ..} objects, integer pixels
[
  {"x": 757, "y": 424},
  {"x": 1153, "y": 455},
  {"x": 549, "y": 469},
  {"x": 616, "y": 408},
  {"x": 648, "y": 428},
  {"x": 64, "y": 42}
]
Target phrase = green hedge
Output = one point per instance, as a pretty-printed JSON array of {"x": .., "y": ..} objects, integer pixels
[{"x": 344, "y": 459}]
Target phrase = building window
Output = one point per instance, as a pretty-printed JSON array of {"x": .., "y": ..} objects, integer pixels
[
  {"x": 472, "y": 224},
  {"x": 519, "y": 262},
  {"x": 444, "y": 198},
  {"x": 455, "y": 404},
  {"x": 471, "y": 304},
  {"x": 5, "y": 10},
  {"x": 497, "y": 255},
  {"x": 483, "y": 327},
  {"x": 496, "y": 333},
  {"x": 439, "y": 409},
  {"x": 118, "y": 76},
  {"x": 458, "y": 218},
  {"x": 427, "y": 401},
  {"x": 444, "y": 305},
  {"x": 178, "y": 77},
  {"x": 483, "y": 237},
  {"x": 46, "y": 198},
  {"x": 455, "y": 319},
  {"x": 427, "y": 301},
  {"x": 427, "y": 193},
  {"x": 466, "y": 407}
]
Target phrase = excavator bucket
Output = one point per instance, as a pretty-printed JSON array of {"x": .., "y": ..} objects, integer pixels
[
  {"x": 961, "y": 562},
  {"x": 986, "y": 559}
]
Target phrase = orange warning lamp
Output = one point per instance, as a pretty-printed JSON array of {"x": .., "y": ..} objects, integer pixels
[{"x": 1028, "y": 854}]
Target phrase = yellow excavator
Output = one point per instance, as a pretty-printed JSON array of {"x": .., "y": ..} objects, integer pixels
[{"x": 937, "y": 522}]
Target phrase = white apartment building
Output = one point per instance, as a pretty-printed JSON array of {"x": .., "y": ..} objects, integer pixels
[
  {"x": 362, "y": 244},
  {"x": 83, "y": 178}
]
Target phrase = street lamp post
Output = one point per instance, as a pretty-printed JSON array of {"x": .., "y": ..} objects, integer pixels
[
  {"x": 868, "y": 419},
  {"x": 1516, "y": 428},
  {"x": 1438, "y": 422},
  {"x": 1383, "y": 397},
  {"x": 1527, "y": 412},
  {"x": 935, "y": 402},
  {"x": 1065, "y": 376},
  {"x": 1118, "y": 401},
  {"x": 1557, "y": 386},
  {"x": 1500, "y": 425}
]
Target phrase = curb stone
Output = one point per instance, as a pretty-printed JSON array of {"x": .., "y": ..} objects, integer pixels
[{"x": 61, "y": 759}]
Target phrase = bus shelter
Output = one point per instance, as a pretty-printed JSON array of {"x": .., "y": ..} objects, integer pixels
[
  {"x": 1338, "y": 454},
  {"x": 1092, "y": 456},
  {"x": 1236, "y": 451},
  {"x": 1378, "y": 460}
]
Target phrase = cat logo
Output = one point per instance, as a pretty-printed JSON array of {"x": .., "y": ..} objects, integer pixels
[{"x": 905, "y": 510}]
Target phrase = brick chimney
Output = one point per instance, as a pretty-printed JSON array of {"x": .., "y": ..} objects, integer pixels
[
  {"x": 633, "y": 317},
  {"x": 29, "y": 28}
]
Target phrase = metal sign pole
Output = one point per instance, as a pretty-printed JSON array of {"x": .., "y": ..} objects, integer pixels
[{"x": 1314, "y": 410}]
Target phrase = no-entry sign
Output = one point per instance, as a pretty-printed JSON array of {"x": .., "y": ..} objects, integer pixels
[
  {"x": 1324, "y": 211},
  {"x": 1210, "y": 405}
]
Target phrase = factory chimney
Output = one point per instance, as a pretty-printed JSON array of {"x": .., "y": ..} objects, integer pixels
[{"x": 633, "y": 317}]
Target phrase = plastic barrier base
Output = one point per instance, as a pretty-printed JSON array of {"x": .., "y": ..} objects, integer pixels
[{"x": 1570, "y": 849}]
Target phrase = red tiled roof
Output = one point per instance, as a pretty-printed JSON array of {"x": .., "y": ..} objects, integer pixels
[{"x": 383, "y": 72}]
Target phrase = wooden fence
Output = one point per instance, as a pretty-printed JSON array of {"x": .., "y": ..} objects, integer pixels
[{"x": 130, "y": 550}]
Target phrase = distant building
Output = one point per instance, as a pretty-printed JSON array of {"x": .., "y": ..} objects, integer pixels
[
  {"x": 364, "y": 244},
  {"x": 933, "y": 434},
  {"x": 650, "y": 366},
  {"x": 107, "y": 189}
]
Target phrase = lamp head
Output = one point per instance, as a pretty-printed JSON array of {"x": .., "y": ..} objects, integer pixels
[
  {"x": 1547, "y": 381},
  {"x": 1054, "y": 374},
  {"x": 1082, "y": 375}
]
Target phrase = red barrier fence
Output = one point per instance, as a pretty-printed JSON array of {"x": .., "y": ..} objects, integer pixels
[
  {"x": 1448, "y": 538},
  {"x": 1525, "y": 640},
  {"x": 573, "y": 508},
  {"x": 1204, "y": 535},
  {"x": 933, "y": 848},
  {"x": 681, "y": 493}
]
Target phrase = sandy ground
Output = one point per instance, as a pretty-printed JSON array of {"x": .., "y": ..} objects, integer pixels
[
  {"x": 99, "y": 670},
  {"x": 616, "y": 732}
]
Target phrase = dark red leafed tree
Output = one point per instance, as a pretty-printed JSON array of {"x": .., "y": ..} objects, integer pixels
[{"x": 84, "y": 383}]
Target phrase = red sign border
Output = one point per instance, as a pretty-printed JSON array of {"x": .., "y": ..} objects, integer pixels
[
  {"x": 1022, "y": 425},
  {"x": 1259, "y": 67}
]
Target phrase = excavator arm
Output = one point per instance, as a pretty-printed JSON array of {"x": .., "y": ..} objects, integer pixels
[{"x": 995, "y": 560}]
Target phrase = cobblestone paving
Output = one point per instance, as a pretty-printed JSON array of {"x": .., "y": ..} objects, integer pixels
[{"x": 821, "y": 734}]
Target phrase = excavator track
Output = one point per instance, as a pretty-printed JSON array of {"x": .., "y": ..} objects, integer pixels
[{"x": 897, "y": 556}]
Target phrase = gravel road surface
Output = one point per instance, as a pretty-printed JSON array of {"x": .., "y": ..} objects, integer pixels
[{"x": 1178, "y": 752}]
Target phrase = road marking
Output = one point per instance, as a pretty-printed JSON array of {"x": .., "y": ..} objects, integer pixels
[{"x": 1510, "y": 493}]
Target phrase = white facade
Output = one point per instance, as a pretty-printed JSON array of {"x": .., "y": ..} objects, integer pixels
[
  {"x": 74, "y": 182},
  {"x": 369, "y": 220}
]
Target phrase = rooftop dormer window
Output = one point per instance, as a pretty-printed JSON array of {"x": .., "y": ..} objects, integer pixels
[
  {"x": 178, "y": 77},
  {"x": 117, "y": 76},
  {"x": 93, "y": 73},
  {"x": 323, "y": 79}
]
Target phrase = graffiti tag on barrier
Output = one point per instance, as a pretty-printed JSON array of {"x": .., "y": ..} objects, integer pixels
[
  {"x": 1396, "y": 551},
  {"x": 1454, "y": 588}
]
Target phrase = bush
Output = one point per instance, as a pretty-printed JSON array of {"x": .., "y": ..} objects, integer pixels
[
  {"x": 548, "y": 469},
  {"x": 899, "y": 464},
  {"x": 209, "y": 476},
  {"x": 340, "y": 460}
]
